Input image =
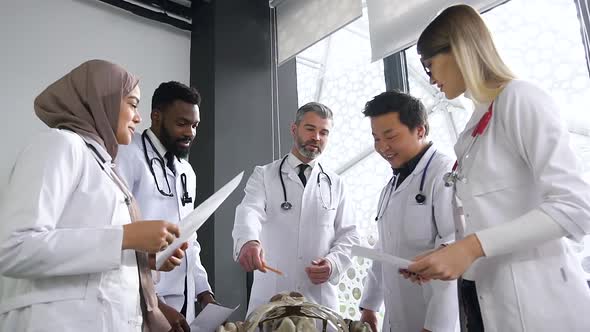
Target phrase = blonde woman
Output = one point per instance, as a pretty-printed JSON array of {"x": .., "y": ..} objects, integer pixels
[{"x": 520, "y": 186}]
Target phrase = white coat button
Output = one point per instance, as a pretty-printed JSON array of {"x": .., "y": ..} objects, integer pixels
[
  {"x": 300, "y": 257},
  {"x": 467, "y": 215}
]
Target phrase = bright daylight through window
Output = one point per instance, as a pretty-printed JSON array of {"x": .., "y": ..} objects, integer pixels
[{"x": 543, "y": 46}]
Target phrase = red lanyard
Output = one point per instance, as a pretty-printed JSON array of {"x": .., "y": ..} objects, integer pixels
[{"x": 479, "y": 129}]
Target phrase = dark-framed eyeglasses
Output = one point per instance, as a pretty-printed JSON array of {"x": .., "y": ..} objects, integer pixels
[{"x": 427, "y": 70}]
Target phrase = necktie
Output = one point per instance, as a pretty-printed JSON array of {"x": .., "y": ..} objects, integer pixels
[
  {"x": 170, "y": 161},
  {"x": 301, "y": 175}
]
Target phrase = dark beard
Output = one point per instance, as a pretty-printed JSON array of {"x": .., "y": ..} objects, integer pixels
[{"x": 170, "y": 144}]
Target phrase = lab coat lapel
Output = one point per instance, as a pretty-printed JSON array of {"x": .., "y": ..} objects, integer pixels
[
  {"x": 313, "y": 176},
  {"x": 465, "y": 138},
  {"x": 417, "y": 172},
  {"x": 402, "y": 186},
  {"x": 291, "y": 175},
  {"x": 154, "y": 154}
]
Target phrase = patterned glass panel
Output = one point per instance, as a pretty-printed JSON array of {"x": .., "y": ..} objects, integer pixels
[
  {"x": 337, "y": 72},
  {"x": 544, "y": 46}
]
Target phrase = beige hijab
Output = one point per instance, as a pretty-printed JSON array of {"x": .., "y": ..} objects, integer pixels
[{"x": 87, "y": 101}]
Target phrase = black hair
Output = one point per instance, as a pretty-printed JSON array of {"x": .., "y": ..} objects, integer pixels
[
  {"x": 169, "y": 92},
  {"x": 412, "y": 112}
]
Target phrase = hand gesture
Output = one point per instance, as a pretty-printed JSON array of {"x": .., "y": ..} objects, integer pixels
[
  {"x": 370, "y": 317},
  {"x": 172, "y": 262},
  {"x": 149, "y": 236},
  {"x": 252, "y": 257},
  {"x": 319, "y": 271},
  {"x": 450, "y": 262},
  {"x": 175, "y": 318}
]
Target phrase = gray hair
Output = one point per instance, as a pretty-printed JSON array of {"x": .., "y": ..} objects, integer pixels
[{"x": 320, "y": 109}]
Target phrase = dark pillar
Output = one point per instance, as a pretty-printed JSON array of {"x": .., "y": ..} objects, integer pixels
[
  {"x": 396, "y": 72},
  {"x": 231, "y": 67}
]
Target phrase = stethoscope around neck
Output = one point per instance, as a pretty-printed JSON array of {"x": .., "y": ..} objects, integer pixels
[
  {"x": 185, "y": 199},
  {"x": 286, "y": 205},
  {"x": 456, "y": 173},
  {"x": 111, "y": 174},
  {"x": 420, "y": 196}
]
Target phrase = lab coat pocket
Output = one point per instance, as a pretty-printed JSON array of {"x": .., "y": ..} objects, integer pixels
[
  {"x": 548, "y": 282},
  {"x": 480, "y": 188},
  {"x": 417, "y": 222},
  {"x": 120, "y": 211},
  {"x": 326, "y": 211},
  {"x": 325, "y": 217},
  {"x": 63, "y": 288},
  {"x": 47, "y": 290}
]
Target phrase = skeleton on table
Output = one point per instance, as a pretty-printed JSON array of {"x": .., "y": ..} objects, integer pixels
[{"x": 290, "y": 313}]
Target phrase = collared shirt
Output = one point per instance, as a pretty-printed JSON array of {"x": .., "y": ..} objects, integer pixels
[
  {"x": 294, "y": 162},
  {"x": 407, "y": 169},
  {"x": 156, "y": 141}
]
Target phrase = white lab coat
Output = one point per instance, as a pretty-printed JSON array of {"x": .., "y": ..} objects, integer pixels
[
  {"x": 60, "y": 242},
  {"x": 292, "y": 239},
  {"x": 406, "y": 230},
  {"x": 523, "y": 162},
  {"x": 134, "y": 168}
]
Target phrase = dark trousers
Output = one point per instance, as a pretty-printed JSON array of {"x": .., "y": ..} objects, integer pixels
[{"x": 470, "y": 306}]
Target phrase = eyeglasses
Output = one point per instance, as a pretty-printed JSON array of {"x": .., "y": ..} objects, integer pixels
[{"x": 427, "y": 70}]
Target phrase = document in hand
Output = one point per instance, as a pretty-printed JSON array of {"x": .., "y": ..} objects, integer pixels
[
  {"x": 377, "y": 255},
  {"x": 211, "y": 318},
  {"x": 191, "y": 223}
]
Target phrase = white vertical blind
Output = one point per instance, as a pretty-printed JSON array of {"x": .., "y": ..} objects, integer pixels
[
  {"x": 302, "y": 23},
  {"x": 395, "y": 25},
  {"x": 584, "y": 16}
]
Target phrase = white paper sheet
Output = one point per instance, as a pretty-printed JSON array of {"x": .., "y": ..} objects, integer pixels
[
  {"x": 192, "y": 222},
  {"x": 211, "y": 318},
  {"x": 377, "y": 255}
]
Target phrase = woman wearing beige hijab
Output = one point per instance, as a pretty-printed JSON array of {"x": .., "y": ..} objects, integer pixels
[{"x": 70, "y": 242}]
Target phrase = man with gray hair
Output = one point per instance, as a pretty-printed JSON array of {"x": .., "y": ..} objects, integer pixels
[{"x": 293, "y": 236}]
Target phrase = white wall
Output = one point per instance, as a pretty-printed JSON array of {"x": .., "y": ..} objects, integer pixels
[{"x": 42, "y": 40}]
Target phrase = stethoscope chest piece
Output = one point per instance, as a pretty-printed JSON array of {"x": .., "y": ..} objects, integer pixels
[
  {"x": 286, "y": 206},
  {"x": 186, "y": 199},
  {"x": 450, "y": 178},
  {"x": 420, "y": 199}
]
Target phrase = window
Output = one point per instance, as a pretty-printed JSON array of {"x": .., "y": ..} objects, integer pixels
[
  {"x": 338, "y": 73},
  {"x": 544, "y": 46}
]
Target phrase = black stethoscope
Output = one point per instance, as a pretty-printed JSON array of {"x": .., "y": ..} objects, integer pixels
[
  {"x": 185, "y": 199},
  {"x": 420, "y": 197},
  {"x": 286, "y": 205}
]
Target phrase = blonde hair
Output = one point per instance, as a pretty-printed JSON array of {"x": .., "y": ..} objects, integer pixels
[{"x": 462, "y": 29}]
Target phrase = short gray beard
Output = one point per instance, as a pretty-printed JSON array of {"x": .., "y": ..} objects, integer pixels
[{"x": 308, "y": 154}]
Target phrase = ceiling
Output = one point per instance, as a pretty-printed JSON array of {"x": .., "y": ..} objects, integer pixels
[{"x": 174, "y": 12}]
